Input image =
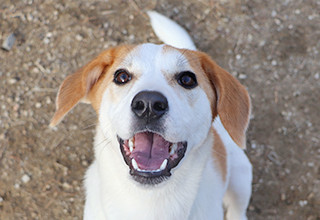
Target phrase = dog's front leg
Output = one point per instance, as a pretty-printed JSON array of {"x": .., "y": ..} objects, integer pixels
[{"x": 237, "y": 197}]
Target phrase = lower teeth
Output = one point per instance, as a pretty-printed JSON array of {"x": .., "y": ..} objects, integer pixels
[
  {"x": 164, "y": 164},
  {"x": 134, "y": 164},
  {"x": 136, "y": 167}
]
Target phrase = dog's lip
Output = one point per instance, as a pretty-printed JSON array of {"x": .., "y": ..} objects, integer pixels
[{"x": 158, "y": 173}]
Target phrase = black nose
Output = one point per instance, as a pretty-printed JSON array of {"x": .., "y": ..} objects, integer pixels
[{"x": 149, "y": 105}]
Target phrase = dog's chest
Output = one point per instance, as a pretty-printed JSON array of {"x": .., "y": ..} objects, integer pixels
[{"x": 192, "y": 194}]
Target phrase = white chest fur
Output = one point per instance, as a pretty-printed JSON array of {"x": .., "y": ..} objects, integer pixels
[{"x": 189, "y": 193}]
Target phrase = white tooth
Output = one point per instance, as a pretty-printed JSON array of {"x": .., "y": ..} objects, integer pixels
[
  {"x": 174, "y": 147},
  {"x": 172, "y": 151},
  {"x": 131, "y": 145},
  {"x": 134, "y": 164},
  {"x": 164, "y": 164}
]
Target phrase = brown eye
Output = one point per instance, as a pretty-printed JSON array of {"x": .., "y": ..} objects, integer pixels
[
  {"x": 121, "y": 77},
  {"x": 187, "y": 79}
]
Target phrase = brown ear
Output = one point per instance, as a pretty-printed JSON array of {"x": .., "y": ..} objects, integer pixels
[
  {"x": 233, "y": 101},
  {"x": 77, "y": 85}
]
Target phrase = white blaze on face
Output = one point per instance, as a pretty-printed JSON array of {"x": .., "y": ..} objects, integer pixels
[{"x": 154, "y": 68}]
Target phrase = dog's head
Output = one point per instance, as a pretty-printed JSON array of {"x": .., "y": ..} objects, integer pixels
[{"x": 158, "y": 102}]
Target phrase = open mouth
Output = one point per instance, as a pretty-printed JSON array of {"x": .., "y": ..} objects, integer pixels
[{"x": 150, "y": 157}]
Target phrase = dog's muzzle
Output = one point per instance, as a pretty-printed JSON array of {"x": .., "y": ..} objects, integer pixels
[{"x": 149, "y": 156}]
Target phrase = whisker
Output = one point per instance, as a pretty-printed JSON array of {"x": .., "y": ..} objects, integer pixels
[
  {"x": 220, "y": 154},
  {"x": 89, "y": 126},
  {"x": 192, "y": 60}
]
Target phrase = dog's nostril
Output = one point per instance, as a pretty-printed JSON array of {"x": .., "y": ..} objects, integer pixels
[
  {"x": 139, "y": 105},
  {"x": 159, "y": 106}
]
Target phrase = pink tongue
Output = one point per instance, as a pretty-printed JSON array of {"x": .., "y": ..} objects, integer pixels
[{"x": 150, "y": 150}]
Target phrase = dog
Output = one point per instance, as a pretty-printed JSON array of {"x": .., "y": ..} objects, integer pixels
[{"x": 170, "y": 138}]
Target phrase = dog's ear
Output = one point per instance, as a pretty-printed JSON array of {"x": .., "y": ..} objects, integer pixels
[
  {"x": 76, "y": 86},
  {"x": 233, "y": 101}
]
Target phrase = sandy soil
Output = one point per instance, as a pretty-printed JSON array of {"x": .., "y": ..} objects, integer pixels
[{"x": 272, "y": 47}]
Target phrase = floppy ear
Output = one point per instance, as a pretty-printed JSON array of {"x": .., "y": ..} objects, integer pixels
[
  {"x": 233, "y": 101},
  {"x": 76, "y": 86}
]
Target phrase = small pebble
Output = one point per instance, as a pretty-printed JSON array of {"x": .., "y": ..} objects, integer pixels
[
  {"x": 277, "y": 21},
  {"x": 17, "y": 186},
  {"x": 79, "y": 37},
  {"x": 16, "y": 107},
  {"x": 283, "y": 196},
  {"x": 12, "y": 81},
  {"x": 9, "y": 42},
  {"x": 49, "y": 34},
  {"x": 225, "y": 20},
  {"x": 2, "y": 136},
  {"x": 38, "y": 105},
  {"x": 29, "y": 17},
  {"x": 66, "y": 186},
  {"x": 46, "y": 41},
  {"x": 25, "y": 178},
  {"x": 303, "y": 203},
  {"x": 310, "y": 164},
  {"x": 84, "y": 163},
  {"x": 238, "y": 56},
  {"x": 242, "y": 76},
  {"x": 262, "y": 43},
  {"x": 297, "y": 12},
  {"x": 48, "y": 100}
]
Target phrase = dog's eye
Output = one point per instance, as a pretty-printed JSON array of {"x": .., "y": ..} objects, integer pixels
[
  {"x": 121, "y": 77},
  {"x": 187, "y": 79}
]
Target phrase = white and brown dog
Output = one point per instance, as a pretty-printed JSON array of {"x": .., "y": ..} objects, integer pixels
[{"x": 171, "y": 132}]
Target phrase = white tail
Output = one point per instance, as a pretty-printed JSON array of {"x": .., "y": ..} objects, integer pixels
[{"x": 170, "y": 32}]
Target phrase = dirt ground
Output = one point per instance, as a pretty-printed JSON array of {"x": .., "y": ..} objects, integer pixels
[{"x": 272, "y": 47}]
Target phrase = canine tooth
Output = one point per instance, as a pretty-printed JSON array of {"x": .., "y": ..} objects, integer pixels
[
  {"x": 173, "y": 148},
  {"x": 134, "y": 164},
  {"x": 164, "y": 164},
  {"x": 172, "y": 151},
  {"x": 131, "y": 145}
]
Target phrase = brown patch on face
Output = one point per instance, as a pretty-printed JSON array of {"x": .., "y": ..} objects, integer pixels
[
  {"x": 194, "y": 60},
  {"x": 89, "y": 82},
  {"x": 229, "y": 99},
  {"x": 106, "y": 78},
  {"x": 219, "y": 155}
]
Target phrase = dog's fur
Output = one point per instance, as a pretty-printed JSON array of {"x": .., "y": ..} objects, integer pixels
[{"x": 203, "y": 109}]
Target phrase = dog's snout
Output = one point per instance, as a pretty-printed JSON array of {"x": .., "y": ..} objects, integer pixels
[{"x": 149, "y": 105}]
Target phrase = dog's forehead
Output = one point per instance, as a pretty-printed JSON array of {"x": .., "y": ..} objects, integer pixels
[{"x": 153, "y": 59}]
